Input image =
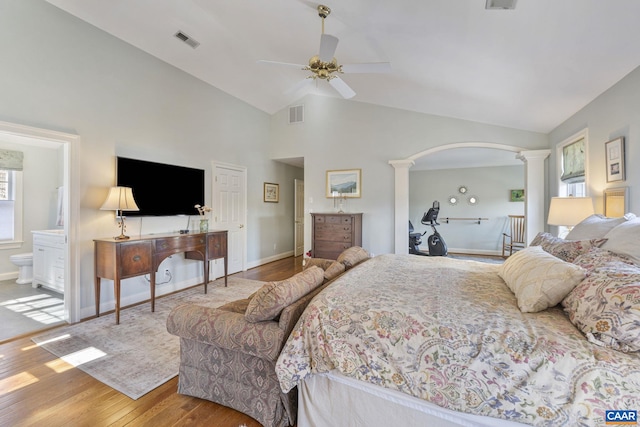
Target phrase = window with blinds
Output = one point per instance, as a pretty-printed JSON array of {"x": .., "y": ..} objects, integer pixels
[{"x": 573, "y": 160}]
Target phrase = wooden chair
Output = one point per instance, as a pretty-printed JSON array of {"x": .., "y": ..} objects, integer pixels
[{"x": 515, "y": 240}]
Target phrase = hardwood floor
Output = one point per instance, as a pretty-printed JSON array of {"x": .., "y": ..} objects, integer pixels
[{"x": 37, "y": 388}]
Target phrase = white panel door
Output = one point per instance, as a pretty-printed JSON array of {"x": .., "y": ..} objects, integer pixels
[
  {"x": 229, "y": 206},
  {"x": 298, "y": 231}
]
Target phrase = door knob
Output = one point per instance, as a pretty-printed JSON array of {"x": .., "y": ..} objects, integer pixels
[{"x": 241, "y": 226}]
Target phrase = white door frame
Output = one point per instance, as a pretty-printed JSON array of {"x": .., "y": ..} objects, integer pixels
[
  {"x": 214, "y": 191},
  {"x": 298, "y": 205},
  {"x": 71, "y": 182}
]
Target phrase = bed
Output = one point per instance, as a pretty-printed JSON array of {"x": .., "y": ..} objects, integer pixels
[{"x": 445, "y": 342}]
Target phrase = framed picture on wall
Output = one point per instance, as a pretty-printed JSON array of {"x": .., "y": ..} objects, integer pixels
[
  {"x": 516, "y": 195},
  {"x": 344, "y": 183},
  {"x": 271, "y": 192},
  {"x": 614, "y": 154}
]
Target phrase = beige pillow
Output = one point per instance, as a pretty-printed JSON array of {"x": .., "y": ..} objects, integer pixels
[
  {"x": 353, "y": 256},
  {"x": 334, "y": 270},
  {"x": 273, "y": 297},
  {"x": 538, "y": 279},
  {"x": 320, "y": 262}
]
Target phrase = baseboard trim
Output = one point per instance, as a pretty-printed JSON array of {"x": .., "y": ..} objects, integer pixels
[
  {"x": 267, "y": 260},
  {"x": 9, "y": 276},
  {"x": 474, "y": 252}
]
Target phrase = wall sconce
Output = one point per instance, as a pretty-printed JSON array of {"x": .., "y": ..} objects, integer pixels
[
  {"x": 120, "y": 199},
  {"x": 568, "y": 211}
]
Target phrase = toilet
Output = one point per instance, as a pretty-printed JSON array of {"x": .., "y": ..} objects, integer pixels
[{"x": 25, "y": 264}]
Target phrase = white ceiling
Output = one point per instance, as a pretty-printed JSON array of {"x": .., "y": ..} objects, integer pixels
[{"x": 529, "y": 68}]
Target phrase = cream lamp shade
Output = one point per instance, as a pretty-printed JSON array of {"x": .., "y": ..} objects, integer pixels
[
  {"x": 120, "y": 199},
  {"x": 568, "y": 211}
]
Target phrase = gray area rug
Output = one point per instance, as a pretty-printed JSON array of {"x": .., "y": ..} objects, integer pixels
[{"x": 139, "y": 354}]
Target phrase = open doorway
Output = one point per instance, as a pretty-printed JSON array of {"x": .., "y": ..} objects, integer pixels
[{"x": 66, "y": 145}]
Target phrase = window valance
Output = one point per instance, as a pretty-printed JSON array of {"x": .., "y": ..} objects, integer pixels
[
  {"x": 573, "y": 159},
  {"x": 11, "y": 160}
]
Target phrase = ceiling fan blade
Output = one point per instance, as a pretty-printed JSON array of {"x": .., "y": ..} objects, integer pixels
[
  {"x": 342, "y": 88},
  {"x": 328, "y": 45},
  {"x": 286, "y": 64},
  {"x": 371, "y": 67},
  {"x": 300, "y": 85}
]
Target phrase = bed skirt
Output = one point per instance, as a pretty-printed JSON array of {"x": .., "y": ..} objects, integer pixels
[{"x": 333, "y": 400}]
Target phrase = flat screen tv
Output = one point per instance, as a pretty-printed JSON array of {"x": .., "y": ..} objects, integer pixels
[{"x": 161, "y": 189}]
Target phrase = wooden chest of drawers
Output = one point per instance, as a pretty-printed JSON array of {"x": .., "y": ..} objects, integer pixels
[{"x": 332, "y": 233}]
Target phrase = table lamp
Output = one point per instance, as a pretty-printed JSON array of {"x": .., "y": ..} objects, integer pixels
[
  {"x": 120, "y": 199},
  {"x": 568, "y": 211}
]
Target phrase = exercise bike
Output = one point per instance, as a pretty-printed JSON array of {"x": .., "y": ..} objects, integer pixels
[{"x": 437, "y": 245}]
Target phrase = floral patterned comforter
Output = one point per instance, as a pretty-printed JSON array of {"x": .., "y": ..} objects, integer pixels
[{"x": 450, "y": 332}]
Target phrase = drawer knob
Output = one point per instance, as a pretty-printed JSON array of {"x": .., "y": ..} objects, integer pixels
[{"x": 136, "y": 258}]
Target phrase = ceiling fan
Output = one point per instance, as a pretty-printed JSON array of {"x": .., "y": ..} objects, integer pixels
[{"x": 325, "y": 67}]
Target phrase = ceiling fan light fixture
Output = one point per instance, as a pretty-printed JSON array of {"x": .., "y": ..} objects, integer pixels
[
  {"x": 501, "y": 4},
  {"x": 324, "y": 66},
  {"x": 323, "y": 11}
]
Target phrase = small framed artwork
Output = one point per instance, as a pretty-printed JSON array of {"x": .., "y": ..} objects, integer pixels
[
  {"x": 344, "y": 183},
  {"x": 271, "y": 192},
  {"x": 516, "y": 195},
  {"x": 614, "y": 154}
]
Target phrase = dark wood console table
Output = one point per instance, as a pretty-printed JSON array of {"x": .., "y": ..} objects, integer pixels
[{"x": 121, "y": 259}]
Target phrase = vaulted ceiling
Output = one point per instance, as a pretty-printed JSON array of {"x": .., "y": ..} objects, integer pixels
[{"x": 529, "y": 68}]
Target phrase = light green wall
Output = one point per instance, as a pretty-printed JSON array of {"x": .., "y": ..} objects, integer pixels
[
  {"x": 61, "y": 73},
  {"x": 339, "y": 134},
  {"x": 614, "y": 113},
  {"x": 41, "y": 176},
  {"x": 491, "y": 186}
]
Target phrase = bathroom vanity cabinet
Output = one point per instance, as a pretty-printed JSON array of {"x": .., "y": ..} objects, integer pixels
[{"x": 48, "y": 259}]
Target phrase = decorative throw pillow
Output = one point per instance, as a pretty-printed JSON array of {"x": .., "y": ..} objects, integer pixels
[
  {"x": 598, "y": 257},
  {"x": 237, "y": 306},
  {"x": 538, "y": 279},
  {"x": 538, "y": 239},
  {"x": 566, "y": 250},
  {"x": 593, "y": 227},
  {"x": 273, "y": 297},
  {"x": 323, "y": 263},
  {"x": 624, "y": 238},
  {"x": 606, "y": 306},
  {"x": 353, "y": 256},
  {"x": 334, "y": 270}
]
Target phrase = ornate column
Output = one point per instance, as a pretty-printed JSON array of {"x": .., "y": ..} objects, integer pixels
[
  {"x": 534, "y": 202},
  {"x": 401, "y": 219}
]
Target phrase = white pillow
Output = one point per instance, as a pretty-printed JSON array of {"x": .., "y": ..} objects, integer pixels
[
  {"x": 625, "y": 240},
  {"x": 593, "y": 227},
  {"x": 538, "y": 279}
]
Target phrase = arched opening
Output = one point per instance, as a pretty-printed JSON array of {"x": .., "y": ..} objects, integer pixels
[{"x": 534, "y": 187}]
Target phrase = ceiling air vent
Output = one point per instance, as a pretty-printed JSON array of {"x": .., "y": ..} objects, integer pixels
[
  {"x": 187, "y": 39},
  {"x": 501, "y": 4},
  {"x": 296, "y": 114}
]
